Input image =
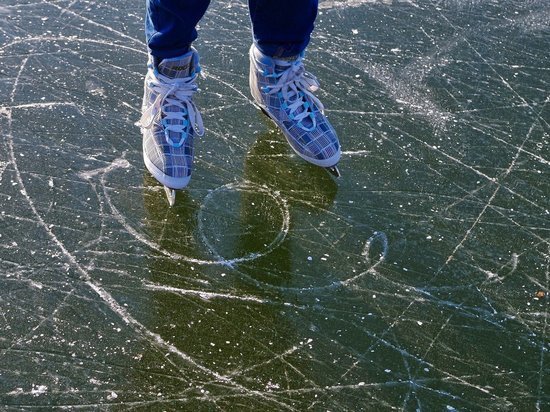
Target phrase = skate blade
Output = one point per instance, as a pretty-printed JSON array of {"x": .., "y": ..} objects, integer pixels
[
  {"x": 170, "y": 195},
  {"x": 261, "y": 109},
  {"x": 333, "y": 170},
  {"x": 264, "y": 112}
]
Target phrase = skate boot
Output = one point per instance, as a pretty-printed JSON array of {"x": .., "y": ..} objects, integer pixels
[
  {"x": 283, "y": 90},
  {"x": 170, "y": 120}
]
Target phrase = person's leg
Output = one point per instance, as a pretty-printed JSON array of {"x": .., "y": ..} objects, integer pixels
[
  {"x": 170, "y": 26},
  {"x": 282, "y": 28}
]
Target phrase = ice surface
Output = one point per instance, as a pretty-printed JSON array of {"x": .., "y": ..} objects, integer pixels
[{"x": 417, "y": 281}]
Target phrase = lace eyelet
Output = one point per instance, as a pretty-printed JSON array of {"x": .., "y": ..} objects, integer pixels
[{"x": 172, "y": 143}]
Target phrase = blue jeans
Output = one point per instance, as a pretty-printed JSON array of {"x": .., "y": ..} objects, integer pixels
[{"x": 281, "y": 28}]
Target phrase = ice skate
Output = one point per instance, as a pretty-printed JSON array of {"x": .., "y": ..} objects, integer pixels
[
  {"x": 170, "y": 120},
  {"x": 284, "y": 91}
]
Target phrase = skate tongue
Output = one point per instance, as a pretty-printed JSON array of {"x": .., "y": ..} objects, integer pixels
[
  {"x": 281, "y": 64},
  {"x": 278, "y": 65},
  {"x": 178, "y": 67}
]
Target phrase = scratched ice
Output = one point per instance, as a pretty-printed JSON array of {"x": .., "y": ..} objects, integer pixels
[{"x": 418, "y": 281}]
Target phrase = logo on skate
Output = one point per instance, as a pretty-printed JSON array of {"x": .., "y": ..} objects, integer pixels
[{"x": 180, "y": 68}]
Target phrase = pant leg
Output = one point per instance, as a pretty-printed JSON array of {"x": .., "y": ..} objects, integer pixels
[
  {"x": 170, "y": 25},
  {"x": 282, "y": 28}
]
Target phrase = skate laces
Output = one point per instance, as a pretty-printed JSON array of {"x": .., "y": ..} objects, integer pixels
[
  {"x": 173, "y": 92},
  {"x": 295, "y": 87}
]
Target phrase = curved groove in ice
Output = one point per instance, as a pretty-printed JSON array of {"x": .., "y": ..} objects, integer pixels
[{"x": 120, "y": 163}]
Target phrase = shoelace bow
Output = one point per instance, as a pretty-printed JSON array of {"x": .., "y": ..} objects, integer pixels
[
  {"x": 295, "y": 86},
  {"x": 173, "y": 92}
]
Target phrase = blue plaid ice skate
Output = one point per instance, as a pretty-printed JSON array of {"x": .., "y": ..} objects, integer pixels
[
  {"x": 283, "y": 89},
  {"x": 170, "y": 119}
]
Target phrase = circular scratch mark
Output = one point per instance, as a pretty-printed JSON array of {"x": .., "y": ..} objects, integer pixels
[
  {"x": 248, "y": 187},
  {"x": 219, "y": 260}
]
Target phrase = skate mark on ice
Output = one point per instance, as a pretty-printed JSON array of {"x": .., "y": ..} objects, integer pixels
[
  {"x": 444, "y": 126},
  {"x": 141, "y": 330},
  {"x": 285, "y": 221}
]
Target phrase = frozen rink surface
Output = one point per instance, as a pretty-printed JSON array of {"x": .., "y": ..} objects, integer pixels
[{"x": 417, "y": 281}]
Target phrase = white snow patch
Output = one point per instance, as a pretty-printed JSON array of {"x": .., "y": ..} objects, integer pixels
[{"x": 38, "y": 390}]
